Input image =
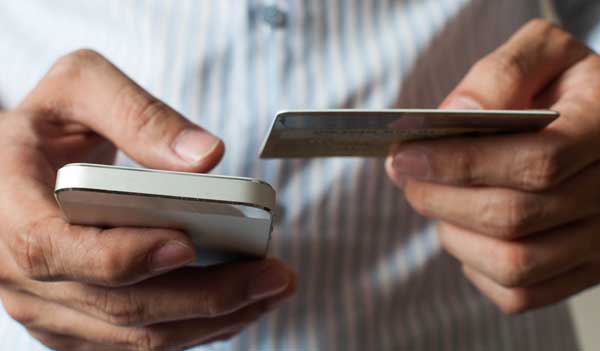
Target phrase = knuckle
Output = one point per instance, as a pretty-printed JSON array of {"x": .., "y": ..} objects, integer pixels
[
  {"x": 540, "y": 25},
  {"x": 30, "y": 251},
  {"x": 150, "y": 115},
  {"x": 18, "y": 311},
  {"x": 462, "y": 170},
  {"x": 119, "y": 307},
  {"x": 5, "y": 278},
  {"x": 8, "y": 277},
  {"x": 72, "y": 66},
  {"x": 516, "y": 264},
  {"x": 567, "y": 42},
  {"x": 544, "y": 168},
  {"x": 146, "y": 339},
  {"x": 507, "y": 66},
  {"x": 112, "y": 269},
  {"x": 464, "y": 165},
  {"x": 506, "y": 215},
  {"x": 142, "y": 112},
  {"x": 516, "y": 216},
  {"x": 215, "y": 305}
]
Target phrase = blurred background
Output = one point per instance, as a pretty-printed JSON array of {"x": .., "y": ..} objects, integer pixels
[{"x": 586, "y": 310}]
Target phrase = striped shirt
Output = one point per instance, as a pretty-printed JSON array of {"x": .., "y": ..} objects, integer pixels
[{"x": 372, "y": 275}]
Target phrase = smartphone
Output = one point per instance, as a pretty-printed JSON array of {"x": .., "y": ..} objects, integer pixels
[{"x": 228, "y": 218}]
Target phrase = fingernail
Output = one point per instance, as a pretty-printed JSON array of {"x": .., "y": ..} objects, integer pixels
[
  {"x": 192, "y": 145},
  {"x": 171, "y": 255},
  {"x": 269, "y": 282},
  {"x": 413, "y": 163},
  {"x": 462, "y": 103}
]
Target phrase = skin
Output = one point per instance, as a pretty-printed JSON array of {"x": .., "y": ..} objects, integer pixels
[
  {"x": 520, "y": 212},
  {"x": 85, "y": 288}
]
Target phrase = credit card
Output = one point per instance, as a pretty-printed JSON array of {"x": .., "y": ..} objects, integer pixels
[{"x": 371, "y": 133}]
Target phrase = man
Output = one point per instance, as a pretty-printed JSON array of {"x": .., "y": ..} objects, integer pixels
[{"x": 519, "y": 213}]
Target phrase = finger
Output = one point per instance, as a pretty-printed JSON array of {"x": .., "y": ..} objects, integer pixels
[
  {"x": 52, "y": 250},
  {"x": 527, "y": 261},
  {"x": 214, "y": 291},
  {"x": 514, "y": 77},
  {"x": 84, "y": 87},
  {"x": 506, "y": 213},
  {"x": 530, "y": 162},
  {"x": 60, "y": 320},
  {"x": 518, "y": 300}
]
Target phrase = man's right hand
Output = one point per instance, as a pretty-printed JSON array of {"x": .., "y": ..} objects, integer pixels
[{"x": 78, "y": 288}]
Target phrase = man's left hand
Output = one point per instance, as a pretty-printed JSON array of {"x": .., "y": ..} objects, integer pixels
[{"x": 521, "y": 212}]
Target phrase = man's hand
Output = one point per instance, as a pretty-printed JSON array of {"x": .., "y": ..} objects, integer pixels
[
  {"x": 521, "y": 212},
  {"x": 84, "y": 288}
]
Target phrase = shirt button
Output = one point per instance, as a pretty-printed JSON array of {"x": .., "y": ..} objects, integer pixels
[{"x": 273, "y": 16}]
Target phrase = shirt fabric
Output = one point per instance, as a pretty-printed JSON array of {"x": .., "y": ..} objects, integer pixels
[{"x": 372, "y": 275}]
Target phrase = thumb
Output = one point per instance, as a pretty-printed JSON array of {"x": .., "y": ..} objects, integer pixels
[
  {"x": 86, "y": 88},
  {"x": 52, "y": 250},
  {"x": 512, "y": 76}
]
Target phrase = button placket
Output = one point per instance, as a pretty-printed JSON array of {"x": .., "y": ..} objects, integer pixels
[{"x": 272, "y": 14}]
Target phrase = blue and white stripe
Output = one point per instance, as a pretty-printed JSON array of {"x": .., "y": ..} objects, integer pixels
[{"x": 372, "y": 275}]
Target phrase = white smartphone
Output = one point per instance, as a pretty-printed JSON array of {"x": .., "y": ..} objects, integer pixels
[{"x": 227, "y": 217}]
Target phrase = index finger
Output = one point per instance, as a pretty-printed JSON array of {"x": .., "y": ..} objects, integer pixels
[
  {"x": 190, "y": 292},
  {"x": 85, "y": 87}
]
